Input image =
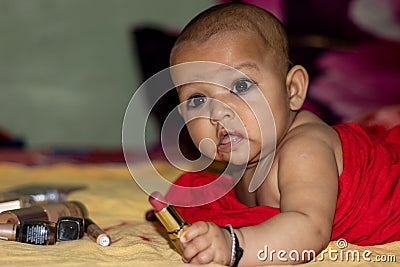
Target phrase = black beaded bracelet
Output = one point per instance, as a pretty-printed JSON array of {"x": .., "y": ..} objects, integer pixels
[{"x": 237, "y": 251}]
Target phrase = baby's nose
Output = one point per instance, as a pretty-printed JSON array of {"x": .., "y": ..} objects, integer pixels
[{"x": 220, "y": 111}]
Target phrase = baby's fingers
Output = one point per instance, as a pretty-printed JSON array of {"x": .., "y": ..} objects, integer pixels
[
  {"x": 195, "y": 230},
  {"x": 195, "y": 251},
  {"x": 204, "y": 257}
]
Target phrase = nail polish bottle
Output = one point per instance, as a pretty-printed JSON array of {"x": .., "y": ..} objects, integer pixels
[
  {"x": 39, "y": 232},
  {"x": 36, "y": 232},
  {"x": 70, "y": 228}
]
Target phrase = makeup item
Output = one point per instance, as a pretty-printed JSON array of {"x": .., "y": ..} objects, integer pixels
[
  {"x": 150, "y": 216},
  {"x": 49, "y": 212},
  {"x": 96, "y": 233},
  {"x": 9, "y": 231},
  {"x": 44, "y": 193},
  {"x": 36, "y": 232},
  {"x": 169, "y": 218},
  {"x": 70, "y": 228},
  {"x": 9, "y": 201},
  {"x": 40, "y": 232}
]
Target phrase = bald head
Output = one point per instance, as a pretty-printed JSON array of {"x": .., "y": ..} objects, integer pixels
[{"x": 238, "y": 17}]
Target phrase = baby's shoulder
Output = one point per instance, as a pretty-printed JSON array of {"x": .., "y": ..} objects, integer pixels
[
  {"x": 308, "y": 131},
  {"x": 310, "y": 137}
]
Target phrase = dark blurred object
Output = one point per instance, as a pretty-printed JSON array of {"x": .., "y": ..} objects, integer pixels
[
  {"x": 153, "y": 46},
  {"x": 360, "y": 80},
  {"x": 322, "y": 18},
  {"x": 9, "y": 141},
  {"x": 150, "y": 215}
]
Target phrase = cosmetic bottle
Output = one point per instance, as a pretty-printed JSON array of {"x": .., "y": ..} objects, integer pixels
[
  {"x": 39, "y": 232},
  {"x": 49, "y": 212},
  {"x": 70, "y": 228},
  {"x": 9, "y": 231},
  {"x": 36, "y": 232}
]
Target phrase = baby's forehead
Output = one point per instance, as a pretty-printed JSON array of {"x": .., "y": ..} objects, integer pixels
[{"x": 208, "y": 72}]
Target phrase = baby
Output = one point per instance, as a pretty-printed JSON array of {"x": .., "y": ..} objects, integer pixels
[{"x": 302, "y": 179}]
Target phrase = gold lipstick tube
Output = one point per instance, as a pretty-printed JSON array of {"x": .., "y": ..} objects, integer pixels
[{"x": 174, "y": 224}]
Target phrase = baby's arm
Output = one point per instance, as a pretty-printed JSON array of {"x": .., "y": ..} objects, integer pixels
[
  {"x": 308, "y": 176},
  {"x": 308, "y": 188}
]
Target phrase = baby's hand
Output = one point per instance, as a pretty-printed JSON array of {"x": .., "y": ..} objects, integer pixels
[{"x": 205, "y": 242}]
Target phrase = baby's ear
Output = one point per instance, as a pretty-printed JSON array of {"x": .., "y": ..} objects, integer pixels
[{"x": 297, "y": 85}]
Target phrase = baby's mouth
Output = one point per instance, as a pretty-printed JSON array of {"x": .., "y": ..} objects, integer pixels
[{"x": 227, "y": 140}]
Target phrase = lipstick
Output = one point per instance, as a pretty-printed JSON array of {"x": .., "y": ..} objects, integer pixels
[
  {"x": 96, "y": 233},
  {"x": 169, "y": 218}
]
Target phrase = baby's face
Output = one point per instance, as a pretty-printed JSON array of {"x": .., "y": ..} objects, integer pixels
[{"x": 237, "y": 107}]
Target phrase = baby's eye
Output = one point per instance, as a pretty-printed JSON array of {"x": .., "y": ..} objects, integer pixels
[
  {"x": 242, "y": 86},
  {"x": 196, "y": 100}
]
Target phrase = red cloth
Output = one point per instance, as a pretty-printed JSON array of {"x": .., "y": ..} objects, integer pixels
[
  {"x": 227, "y": 209},
  {"x": 368, "y": 206}
]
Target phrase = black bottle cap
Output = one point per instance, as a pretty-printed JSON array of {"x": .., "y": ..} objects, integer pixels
[{"x": 70, "y": 228}]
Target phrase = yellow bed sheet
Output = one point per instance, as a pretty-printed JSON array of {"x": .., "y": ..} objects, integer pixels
[{"x": 118, "y": 205}]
